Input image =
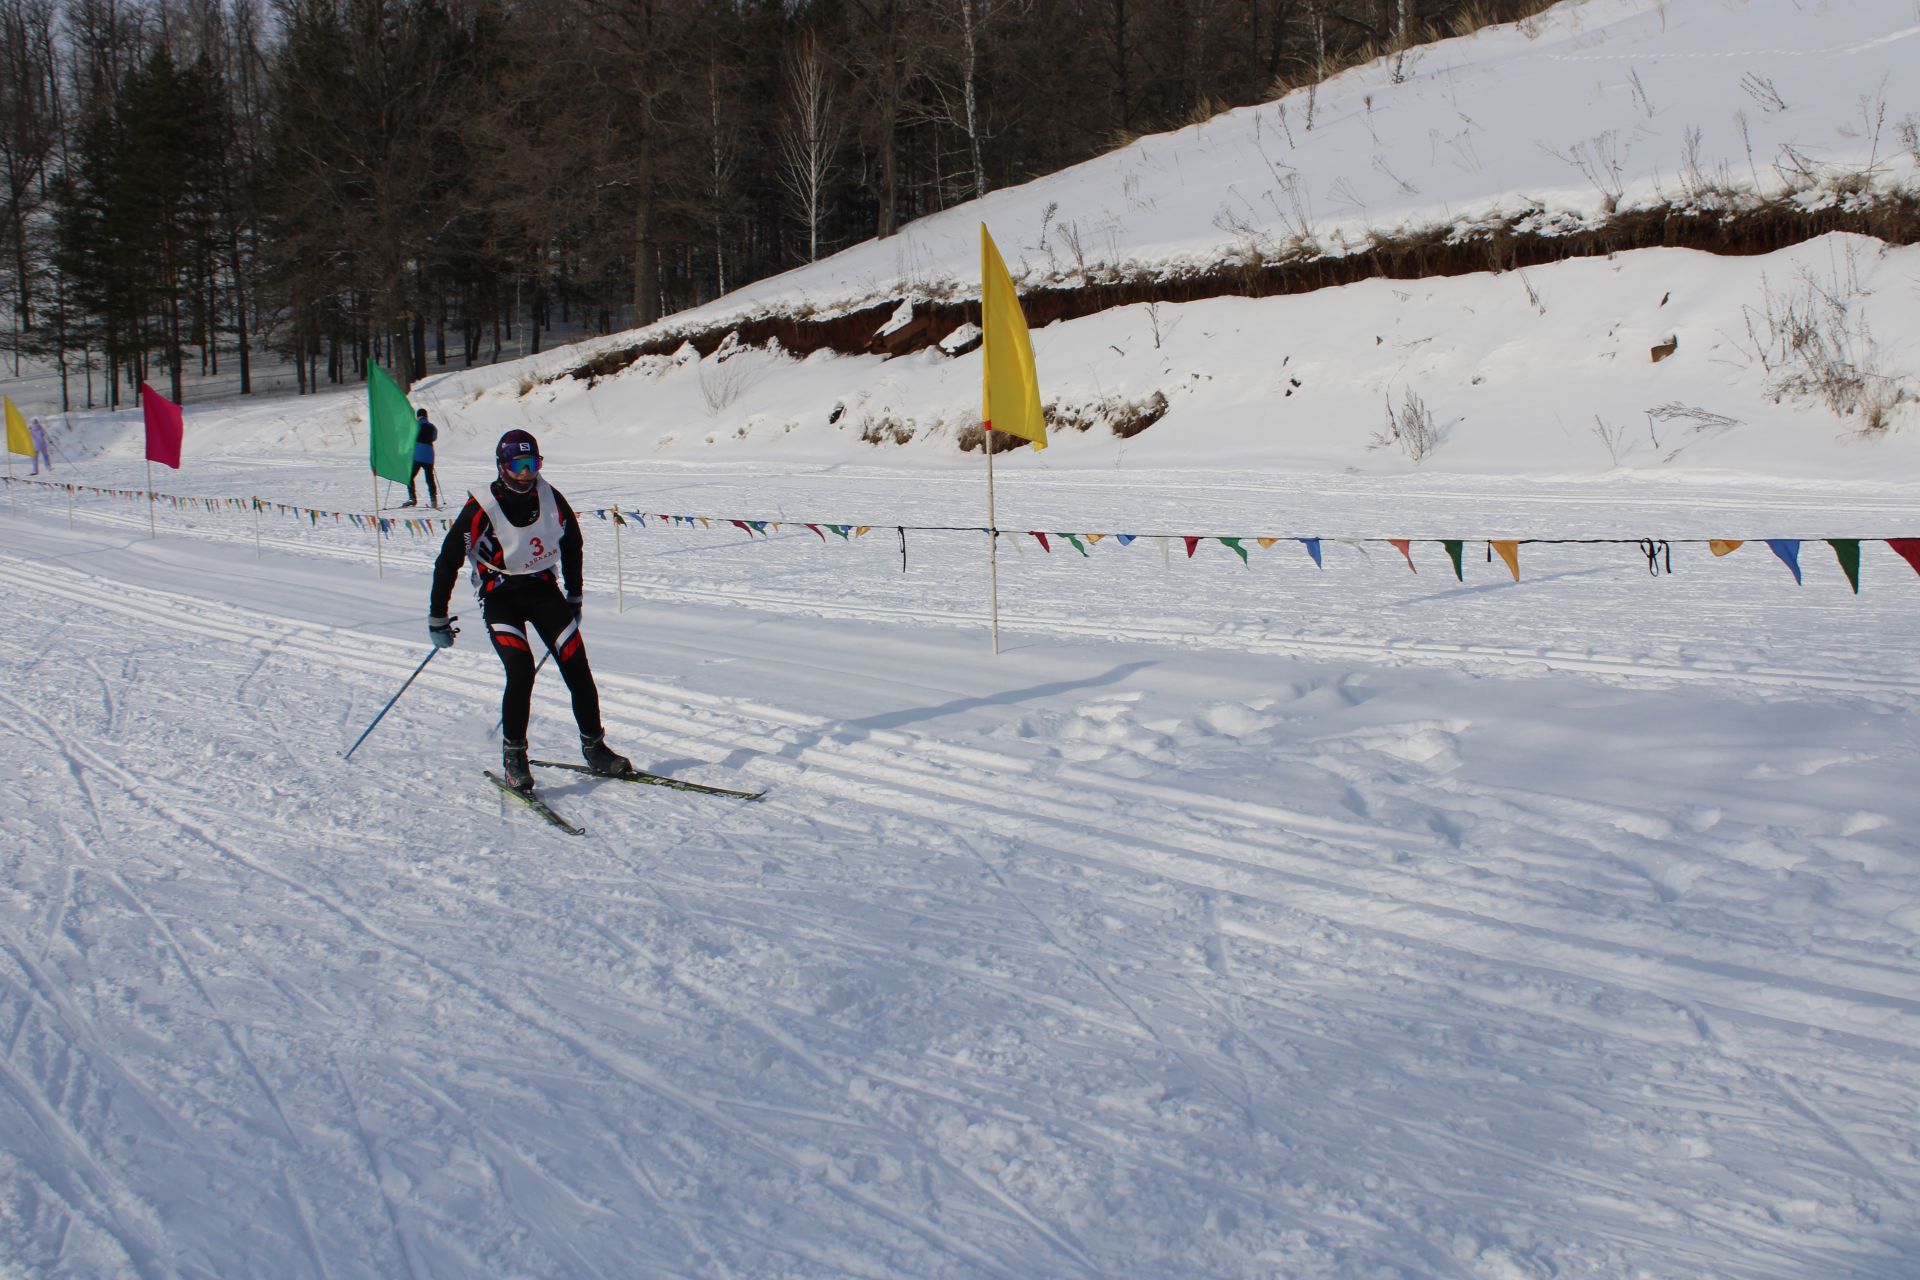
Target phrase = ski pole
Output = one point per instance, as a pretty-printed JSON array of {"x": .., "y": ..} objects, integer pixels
[{"x": 431, "y": 655}]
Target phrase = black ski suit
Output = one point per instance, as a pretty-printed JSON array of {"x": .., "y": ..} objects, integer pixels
[{"x": 515, "y": 605}]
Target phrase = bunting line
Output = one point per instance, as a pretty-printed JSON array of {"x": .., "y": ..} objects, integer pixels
[{"x": 1658, "y": 551}]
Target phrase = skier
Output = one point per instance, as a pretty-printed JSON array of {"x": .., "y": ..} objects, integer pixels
[
  {"x": 423, "y": 461},
  {"x": 38, "y": 434},
  {"x": 515, "y": 532}
]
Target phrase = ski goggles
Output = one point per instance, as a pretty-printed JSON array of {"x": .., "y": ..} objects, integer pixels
[{"x": 524, "y": 465}]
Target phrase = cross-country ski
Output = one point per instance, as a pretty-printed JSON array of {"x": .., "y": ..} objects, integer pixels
[
  {"x": 652, "y": 780},
  {"x": 535, "y": 802}
]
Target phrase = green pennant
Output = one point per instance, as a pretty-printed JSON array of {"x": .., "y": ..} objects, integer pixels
[
  {"x": 1237, "y": 549},
  {"x": 1074, "y": 538},
  {"x": 1848, "y": 551},
  {"x": 1454, "y": 547}
]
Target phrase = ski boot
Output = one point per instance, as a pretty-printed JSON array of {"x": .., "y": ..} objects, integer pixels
[
  {"x": 513, "y": 765},
  {"x": 602, "y": 759}
]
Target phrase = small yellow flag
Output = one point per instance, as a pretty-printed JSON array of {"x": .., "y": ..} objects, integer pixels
[
  {"x": 18, "y": 439},
  {"x": 1010, "y": 386},
  {"x": 1724, "y": 546},
  {"x": 1510, "y": 552}
]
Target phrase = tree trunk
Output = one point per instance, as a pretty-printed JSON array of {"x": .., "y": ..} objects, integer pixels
[{"x": 646, "y": 269}]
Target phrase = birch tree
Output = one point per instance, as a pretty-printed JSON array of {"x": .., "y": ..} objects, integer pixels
[{"x": 811, "y": 130}]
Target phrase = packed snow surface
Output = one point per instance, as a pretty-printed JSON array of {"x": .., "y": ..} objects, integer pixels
[{"x": 1234, "y": 920}]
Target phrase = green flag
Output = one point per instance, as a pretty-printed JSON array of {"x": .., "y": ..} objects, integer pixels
[{"x": 392, "y": 427}]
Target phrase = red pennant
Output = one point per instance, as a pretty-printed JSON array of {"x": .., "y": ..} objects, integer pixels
[
  {"x": 1043, "y": 543},
  {"x": 1191, "y": 544},
  {"x": 1908, "y": 549},
  {"x": 816, "y": 529},
  {"x": 744, "y": 527},
  {"x": 1405, "y": 546}
]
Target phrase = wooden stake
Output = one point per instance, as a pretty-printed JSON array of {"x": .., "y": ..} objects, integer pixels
[{"x": 993, "y": 539}]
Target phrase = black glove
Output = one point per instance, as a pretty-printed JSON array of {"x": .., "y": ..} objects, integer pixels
[
  {"x": 577, "y": 604},
  {"x": 442, "y": 631}
]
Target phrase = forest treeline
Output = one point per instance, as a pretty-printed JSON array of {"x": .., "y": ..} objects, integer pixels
[{"x": 406, "y": 180}]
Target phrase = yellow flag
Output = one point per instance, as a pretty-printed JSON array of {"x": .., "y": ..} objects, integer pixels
[
  {"x": 1724, "y": 546},
  {"x": 1510, "y": 552},
  {"x": 1010, "y": 390},
  {"x": 18, "y": 440}
]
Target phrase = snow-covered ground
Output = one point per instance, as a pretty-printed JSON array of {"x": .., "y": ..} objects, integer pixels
[{"x": 1235, "y": 920}]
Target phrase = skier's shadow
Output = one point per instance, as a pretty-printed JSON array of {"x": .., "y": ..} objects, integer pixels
[{"x": 849, "y": 731}]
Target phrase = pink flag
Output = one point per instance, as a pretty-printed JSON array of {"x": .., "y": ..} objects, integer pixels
[{"x": 164, "y": 427}]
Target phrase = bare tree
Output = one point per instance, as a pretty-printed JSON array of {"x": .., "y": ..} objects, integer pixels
[
  {"x": 29, "y": 133},
  {"x": 811, "y": 130},
  {"x": 887, "y": 52}
]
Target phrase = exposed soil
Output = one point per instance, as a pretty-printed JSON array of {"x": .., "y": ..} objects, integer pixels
[{"x": 1895, "y": 220}]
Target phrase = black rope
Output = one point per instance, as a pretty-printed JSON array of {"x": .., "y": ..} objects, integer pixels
[
  {"x": 1656, "y": 550},
  {"x": 903, "y": 547}
]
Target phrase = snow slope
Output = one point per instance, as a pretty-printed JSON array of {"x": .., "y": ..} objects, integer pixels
[
  {"x": 1591, "y": 106},
  {"x": 1235, "y": 920}
]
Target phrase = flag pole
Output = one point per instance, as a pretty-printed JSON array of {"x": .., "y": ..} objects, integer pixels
[
  {"x": 153, "y": 530},
  {"x": 619, "y": 572},
  {"x": 993, "y": 537},
  {"x": 379, "y": 552}
]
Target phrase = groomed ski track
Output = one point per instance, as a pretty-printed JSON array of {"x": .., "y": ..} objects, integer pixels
[{"x": 1039, "y": 967}]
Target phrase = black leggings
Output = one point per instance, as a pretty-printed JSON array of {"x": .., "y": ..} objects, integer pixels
[
  {"x": 513, "y": 614},
  {"x": 433, "y": 490}
]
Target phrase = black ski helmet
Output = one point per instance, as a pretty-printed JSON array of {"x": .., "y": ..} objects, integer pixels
[{"x": 515, "y": 444}]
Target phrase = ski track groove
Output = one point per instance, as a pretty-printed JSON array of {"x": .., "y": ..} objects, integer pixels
[
  {"x": 812, "y": 761},
  {"x": 1399, "y": 890},
  {"x": 795, "y": 1049},
  {"x": 880, "y": 771}
]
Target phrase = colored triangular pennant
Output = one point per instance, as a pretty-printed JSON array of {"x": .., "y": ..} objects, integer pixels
[
  {"x": 816, "y": 529},
  {"x": 1454, "y": 547},
  {"x": 1509, "y": 551},
  {"x": 1234, "y": 545},
  {"x": 1405, "y": 547},
  {"x": 1725, "y": 546},
  {"x": 1074, "y": 539},
  {"x": 1847, "y": 550},
  {"x": 1907, "y": 549},
  {"x": 1041, "y": 538},
  {"x": 1788, "y": 549},
  {"x": 1313, "y": 549},
  {"x": 1191, "y": 542}
]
